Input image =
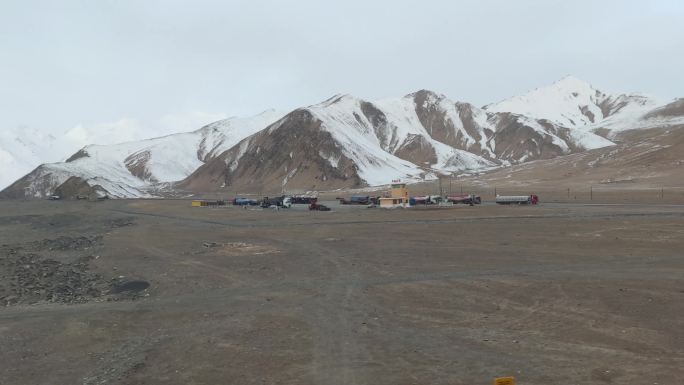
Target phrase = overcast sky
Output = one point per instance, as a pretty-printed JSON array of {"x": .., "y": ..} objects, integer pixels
[{"x": 173, "y": 65}]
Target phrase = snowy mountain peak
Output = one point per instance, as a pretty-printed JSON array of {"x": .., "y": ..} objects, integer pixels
[
  {"x": 570, "y": 82},
  {"x": 127, "y": 169},
  {"x": 343, "y": 141},
  {"x": 572, "y": 102},
  {"x": 550, "y": 101},
  {"x": 427, "y": 95},
  {"x": 337, "y": 99}
]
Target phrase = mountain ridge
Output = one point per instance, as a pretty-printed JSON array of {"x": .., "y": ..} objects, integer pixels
[{"x": 415, "y": 137}]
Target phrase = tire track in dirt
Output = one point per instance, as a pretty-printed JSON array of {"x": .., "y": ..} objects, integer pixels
[{"x": 338, "y": 356}]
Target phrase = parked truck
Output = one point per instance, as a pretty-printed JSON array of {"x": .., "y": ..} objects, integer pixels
[
  {"x": 245, "y": 202},
  {"x": 468, "y": 199},
  {"x": 303, "y": 199},
  {"x": 283, "y": 201},
  {"x": 517, "y": 199},
  {"x": 356, "y": 200},
  {"x": 425, "y": 200}
]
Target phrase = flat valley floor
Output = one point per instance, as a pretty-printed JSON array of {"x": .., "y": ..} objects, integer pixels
[{"x": 553, "y": 294}]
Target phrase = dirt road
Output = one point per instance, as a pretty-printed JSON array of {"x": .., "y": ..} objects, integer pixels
[{"x": 555, "y": 294}]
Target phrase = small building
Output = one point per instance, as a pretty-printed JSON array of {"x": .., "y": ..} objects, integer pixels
[
  {"x": 399, "y": 196},
  {"x": 392, "y": 202}
]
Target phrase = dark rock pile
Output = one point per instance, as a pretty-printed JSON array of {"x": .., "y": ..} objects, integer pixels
[
  {"x": 28, "y": 278},
  {"x": 68, "y": 243}
]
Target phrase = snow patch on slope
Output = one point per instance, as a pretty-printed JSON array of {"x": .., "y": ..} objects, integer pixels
[
  {"x": 588, "y": 140},
  {"x": 129, "y": 169},
  {"x": 559, "y": 103},
  {"x": 343, "y": 117},
  {"x": 574, "y": 103}
]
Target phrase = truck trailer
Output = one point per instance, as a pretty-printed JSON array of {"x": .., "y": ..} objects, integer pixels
[
  {"x": 356, "y": 200},
  {"x": 468, "y": 199},
  {"x": 283, "y": 201},
  {"x": 245, "y": 202},
  {"x": 517, "y": 199},
  {"x": 303, "y": 199}
]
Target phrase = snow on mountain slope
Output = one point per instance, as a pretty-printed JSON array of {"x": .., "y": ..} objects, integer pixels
[
  {"x": 374, "y": 147},
  {"x": 25, "y": 148},
  {"x": 642, "y": 118},
  {"x": 345, "y": 143},
  {"x": 341, "y": 142},
  {"x": 342, "y": 117},
  {"x": 220, "y": 136},
  {"x": 457, "y": 124},
  {"x": 349, "y": 142},
  {"x": 173, "y": 157},
  {"x": 574, "y": 103},
  {"x": 129, "y": 169},
  {"x": 21, "y": 149}
]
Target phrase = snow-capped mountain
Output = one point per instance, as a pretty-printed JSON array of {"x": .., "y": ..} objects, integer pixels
[
  {"x": 22, "y": 149},
  {"x": 571, "y": 102},
  {"x": 349, "y": 142},
  {"x": 341, "y": 142},
  {"x": 130, "y": 169}
]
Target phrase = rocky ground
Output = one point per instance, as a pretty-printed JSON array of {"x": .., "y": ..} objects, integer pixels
[
  {"x": 58, "y": 270},
  {"x": 157, "y": 292}
]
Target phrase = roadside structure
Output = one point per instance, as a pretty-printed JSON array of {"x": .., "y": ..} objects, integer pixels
[{"x": 399, "y": 196}]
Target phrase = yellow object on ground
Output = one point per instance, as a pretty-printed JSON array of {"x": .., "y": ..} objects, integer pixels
[{"x": 504, "y": 381}]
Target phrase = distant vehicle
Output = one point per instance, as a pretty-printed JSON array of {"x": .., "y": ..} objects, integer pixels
[
  {"x": 54, "y": 197},
  {"x": 318, "y": 207},
  {"x": 517, "y": 199},
  {"x": 356, "y": 200},
  {"x": 303, "y": 199},
  {"x": 281, "y": 201},
  {"x": 245, "y": 202},
  {"x": 464, "y": 198},
  {"x": 425, "y": 200},
  {"x": 81, "y": 197}
]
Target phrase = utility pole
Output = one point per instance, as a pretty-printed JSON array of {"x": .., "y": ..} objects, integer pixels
[{"x": 591, "y": 193}]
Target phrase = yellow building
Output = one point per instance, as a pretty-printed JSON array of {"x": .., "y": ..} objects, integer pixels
[
  {"x": 399, "y": 196},
  {"x": 399, "y": 190}
]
